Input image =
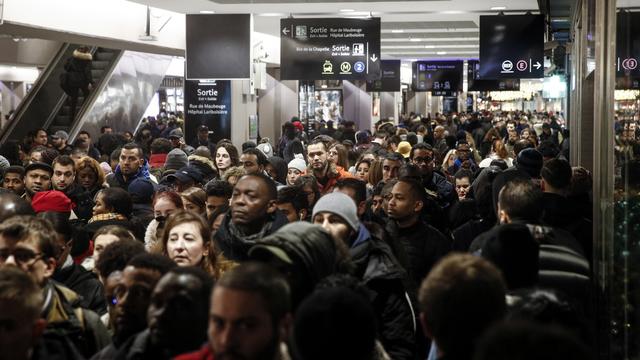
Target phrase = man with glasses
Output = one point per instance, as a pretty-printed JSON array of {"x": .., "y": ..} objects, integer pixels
[
  {"x": 437, "y": 187},
  {"x": 464, "y": 160},
  {"x": 29, "y": 243}
]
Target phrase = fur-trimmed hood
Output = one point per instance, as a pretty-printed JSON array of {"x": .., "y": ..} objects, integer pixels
[{"x": 82, "y": 55}]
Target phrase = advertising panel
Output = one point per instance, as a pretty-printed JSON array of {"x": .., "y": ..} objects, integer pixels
[{"x": 218, "y": 46}]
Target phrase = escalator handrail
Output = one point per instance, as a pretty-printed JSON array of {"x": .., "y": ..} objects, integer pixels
[{"x": 37, "y": 86}]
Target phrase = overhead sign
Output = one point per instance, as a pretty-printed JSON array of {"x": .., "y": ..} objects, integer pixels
[
  {"x": 511, "y": 47},
  {"x": 476, "y": 84},
  {"x": 439, "y": 76},
  {"x": 330, "y": 49},
  {"x": 218, "y": 46},
  {"x": 390, "y": 77},
  {"x": 628, "y": 50},
  {"x": 207, "y": 103}
]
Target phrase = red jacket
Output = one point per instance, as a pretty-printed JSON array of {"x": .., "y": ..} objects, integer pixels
[
  {"x": 157, "y": 160},
  {"x": 203, "y": 354}
]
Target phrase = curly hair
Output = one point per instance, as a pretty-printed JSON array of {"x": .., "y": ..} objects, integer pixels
[{"x": 89, "y": 162}]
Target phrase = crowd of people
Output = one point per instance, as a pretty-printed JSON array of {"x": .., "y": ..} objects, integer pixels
[{"x": 459, "y": 236}]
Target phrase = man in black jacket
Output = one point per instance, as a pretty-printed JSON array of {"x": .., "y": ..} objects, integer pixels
[
  {"x": 253, "y": 216},
  {"x": 63, "y": 179},
  {"x": 437, "y": 186},
  {"x": 376, "y": 267},
  {"x": 417, "y": 245}
]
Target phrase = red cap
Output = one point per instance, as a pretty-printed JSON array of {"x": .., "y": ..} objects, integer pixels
[
  {"x": 53, "y": 200},
  {"x": 298, "y": 125}
]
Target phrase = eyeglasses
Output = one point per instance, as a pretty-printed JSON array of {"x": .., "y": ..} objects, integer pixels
[
  {"x": 21, "y": 256},
  {"x": 425, "y": 160}
]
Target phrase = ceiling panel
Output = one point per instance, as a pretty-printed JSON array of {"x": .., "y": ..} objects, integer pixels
[{"x": 410, "y": 29}]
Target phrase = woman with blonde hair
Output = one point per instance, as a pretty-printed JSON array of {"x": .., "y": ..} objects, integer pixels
[
  {"x": 187, "y": 240},
  {"x": 89, "y": 175}
]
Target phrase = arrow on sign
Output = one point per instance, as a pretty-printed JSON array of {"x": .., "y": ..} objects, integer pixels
[
  {"x": 374, "y": 58},
  {"x": 285, "y": 31},
  {"x": 537, "y": 65}
]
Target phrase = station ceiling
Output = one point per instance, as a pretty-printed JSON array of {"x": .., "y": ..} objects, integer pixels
[{"x": 410, "y": 29}]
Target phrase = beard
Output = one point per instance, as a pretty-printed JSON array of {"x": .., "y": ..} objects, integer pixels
[{"x": 268, "y": 352}]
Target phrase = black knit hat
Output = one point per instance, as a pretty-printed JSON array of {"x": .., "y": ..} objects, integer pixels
[{"x": 530, "y": 161}]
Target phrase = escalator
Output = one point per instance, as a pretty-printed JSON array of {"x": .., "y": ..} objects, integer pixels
[{"x": 47, "y": 106}]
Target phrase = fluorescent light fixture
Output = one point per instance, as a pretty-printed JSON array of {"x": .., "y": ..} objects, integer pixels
[
  {"x": 442, "y": 39},
  {"x": 323, "y": 86},
  {"x": 430, "y": 46},
  {"x": 207, "y": 12},
  {"x": 346, "y": 10},
  {"x": 452, "y": 12},
  {"x": 434, "y": 30},
  {"x": 498, "y": 8},
  {"x": 397, "y": 31},
  {"x": 271, "y": 14},
  {"x": 441, "y": 53}
]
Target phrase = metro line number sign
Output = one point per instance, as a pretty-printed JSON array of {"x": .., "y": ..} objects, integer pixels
[{"x": 330, "y": 49}]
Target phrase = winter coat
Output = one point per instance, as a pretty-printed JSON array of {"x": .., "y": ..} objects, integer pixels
[
  {"x": 381, "y": 273},
  {"x": 235, "y": 246},
  {"x": 83, "y": 201},
  {"x": 418, "y": 248},
  {"x": 86, "y": 284},
  {"x": 116, "y": 179},
  {"x": 66, "y": 318},
  {"x": 77, "y": 73}
]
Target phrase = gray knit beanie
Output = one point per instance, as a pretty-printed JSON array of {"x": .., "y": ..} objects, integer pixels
[
  {"x": 4, "y": 163},
  {"x": 339, "y": 204},
  {"x": 176, "y": 159}
]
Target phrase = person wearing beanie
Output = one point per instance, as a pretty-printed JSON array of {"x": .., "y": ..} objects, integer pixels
[
  {"x": 296, "y": 168},
  {"x": 176, "y": 159},
  {"x": 266, "y": 149},
  {"x": 527, "y": 167},
  {"x": 376, "y": 266},
  {"x": 142, "y": 192},
  {"x": 52, "y": 200}
]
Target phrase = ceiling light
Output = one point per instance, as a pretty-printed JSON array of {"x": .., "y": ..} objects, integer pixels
[
  {"x": 323, "y": 86},
  {"x": 429, "y": 46},
  {"x": 499, "y": 8},
  {"x": 441, "y": 53},
  {"x": 451, "y": 12},
  {"x": 347, "y": 10},
  {"x": 397, "y": 31},
  {"x": 272, "y": 14},
  {"x": 207, "y": 12},
  {"x": 414, "y": 39}
]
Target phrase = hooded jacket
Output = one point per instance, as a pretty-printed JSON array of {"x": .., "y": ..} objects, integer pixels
[
  {"x": 312, "y": 253},
  {"x": 116, "y": 179},
  {"x": 66, "y": 318},
  {"x": 235, "y": 246},
  {"x": 78, "y": 70},
  {"x": 381, "y": 273},
  {"x": 205, "y": 165}
]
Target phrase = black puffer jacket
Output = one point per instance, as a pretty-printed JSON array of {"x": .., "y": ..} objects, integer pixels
[
  {"x": 381, "y": 273},
  {"x": 235, "y": 246}
]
